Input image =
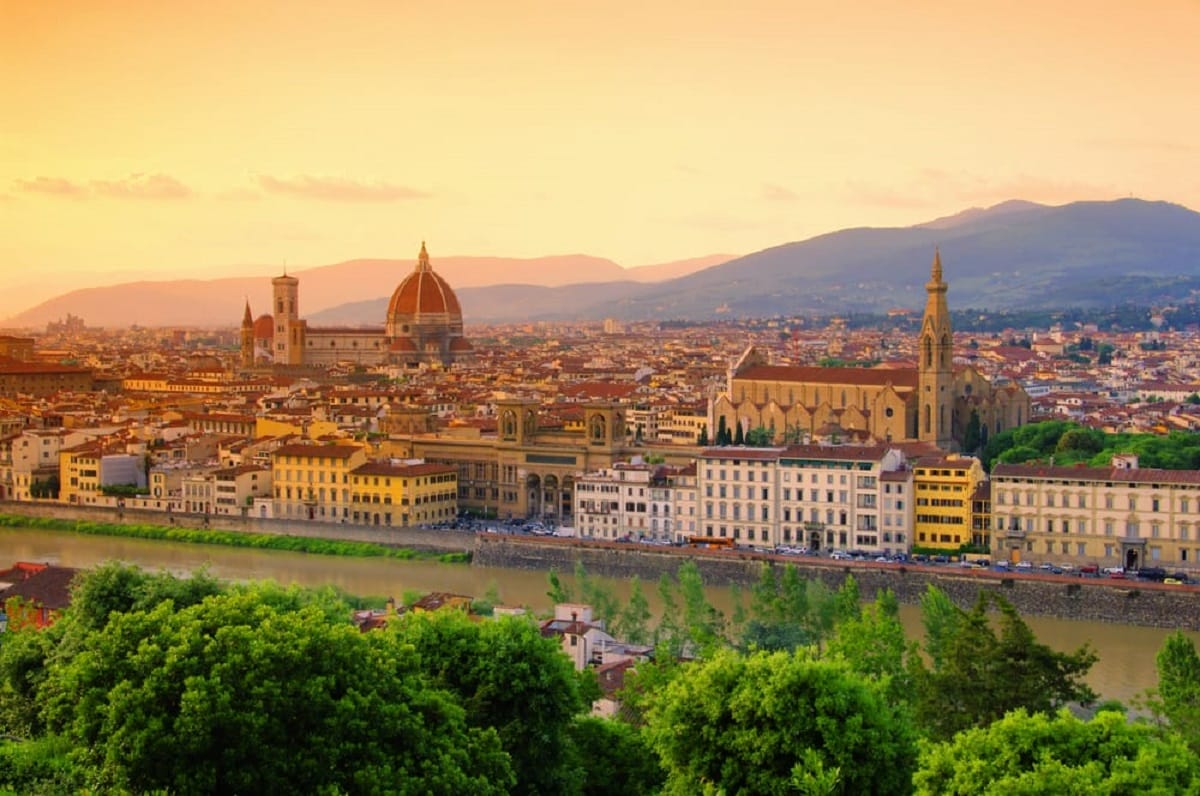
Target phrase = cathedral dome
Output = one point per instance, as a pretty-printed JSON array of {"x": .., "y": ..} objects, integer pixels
[
  {"x": 424, "y": 319},
  {"x": 423, "y": 296},
  {"x": 264, "y": 327}
]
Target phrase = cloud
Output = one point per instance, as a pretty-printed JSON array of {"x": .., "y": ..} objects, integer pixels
[
  {"x": 52, "y": 186},
  {"x": 142, "y": 186},
  {"x": 135, "y": 186},
  {"x": 777, "y": 193},
  {"x": 338, "y": 189}
]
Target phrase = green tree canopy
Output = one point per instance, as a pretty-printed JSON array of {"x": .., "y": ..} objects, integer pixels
[
  {"x": 1178, "y": 698},
  {"x": 257, "y": 691},
  {"x": 979, "y": 672},
  {"x": 772, "y": 723},
  {"x": 1058, "y": 754},
  {"x": 511, "y": 678}
]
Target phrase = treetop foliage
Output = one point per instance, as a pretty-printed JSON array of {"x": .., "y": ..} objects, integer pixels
[{"x": 1068, "y": 443}]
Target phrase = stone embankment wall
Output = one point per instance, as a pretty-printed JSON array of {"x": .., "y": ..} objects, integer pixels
[
  {"x": 415, "y": 538},
  {"x": 1094, "y": 599}
]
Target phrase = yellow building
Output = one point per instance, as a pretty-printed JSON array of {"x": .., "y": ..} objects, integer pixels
[
  {"x": 396, "y": 493},
  {"x": 944, "y": 488},
  {"x": 313, "y": 481},
  {"x": 79, "y": 473},
  {"x": 308, "y": 428}
]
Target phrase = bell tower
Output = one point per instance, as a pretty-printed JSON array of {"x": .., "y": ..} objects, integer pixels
[
  {"x": 288, "y": 338},
  {"x": 935, "y": 375},
  {"x": 247, "y": 339}
]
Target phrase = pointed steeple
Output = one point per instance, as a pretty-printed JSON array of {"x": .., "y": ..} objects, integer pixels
[
  {"x": 247, "y": 318},
  {"x": 935, "y": 274},
  {"x": 423, "y": 259}
]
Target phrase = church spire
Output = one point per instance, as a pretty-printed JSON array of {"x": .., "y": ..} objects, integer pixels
[
  {"x": 247, "y": 318},
  {"x": 423, "y": 259},
  {"x": 935, "y": 274}
]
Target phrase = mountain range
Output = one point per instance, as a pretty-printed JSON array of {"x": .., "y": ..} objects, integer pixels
[{"x": 1015, "y": 255}]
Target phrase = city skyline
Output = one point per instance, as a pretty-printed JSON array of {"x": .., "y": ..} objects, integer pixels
[{"x": 149, "y": 141}]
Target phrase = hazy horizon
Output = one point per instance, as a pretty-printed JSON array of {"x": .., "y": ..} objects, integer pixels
[{"x": 157, "y": 141}]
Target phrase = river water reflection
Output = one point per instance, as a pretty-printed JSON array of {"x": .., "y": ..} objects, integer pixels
[{"x": 1125, "y": 668}]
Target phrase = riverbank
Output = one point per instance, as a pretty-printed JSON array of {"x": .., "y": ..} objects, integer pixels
[
  {"x": 261, "y": 533},
  {"x": 1064, "y": 597}
]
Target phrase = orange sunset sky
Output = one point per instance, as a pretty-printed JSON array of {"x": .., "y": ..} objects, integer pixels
[{"x": 171, "y": 139}]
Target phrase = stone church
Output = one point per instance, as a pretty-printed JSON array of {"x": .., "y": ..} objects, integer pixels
[{"x": 931, "y": 403}]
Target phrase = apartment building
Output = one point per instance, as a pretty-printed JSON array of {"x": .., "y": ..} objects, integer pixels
[
  {"x": 312, "y": 481},
  {"x": 614, "y": 502},
  {"x": 403, "y": 493},
  {"x": 844, "y": 497},
  {"x": 944, "y": 488},
  {"x": 1117, "y": 516},
  {"x": 736, "y": 490}
]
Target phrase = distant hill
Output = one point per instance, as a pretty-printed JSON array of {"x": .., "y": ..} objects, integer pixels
[
  {"x": 1014, "y": 256},
  {"x": 219, "y": 302}
]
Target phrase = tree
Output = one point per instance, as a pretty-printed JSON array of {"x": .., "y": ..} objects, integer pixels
[
  {"x": 633, "y": 621},
  {"x": 508, "y": 677},
  {"x": 983, "y": 673},
  {"x": 766, "y": 722},
  {"x": 722, "y": 431},
  {"x": 1178, "y": 697},
  {"x": 559, "y": 592},
  {"x": 1058, "y": 754},
  {"x": 739, "y": 437},
  {"x": 872, "y": 643},
  {"x": 704, "y": 625},
  {"x": 616, "y": 758},
  {"x": 972, "y": 435},
  {"x": 759, "y": 437},
  {"x": 596, "y": 594},
  {"x": 787, "y": 612},
  {"x": 702, "y": 439},
  {"x": 257, "y": 691}
]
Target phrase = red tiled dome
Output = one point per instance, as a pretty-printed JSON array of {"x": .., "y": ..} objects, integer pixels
[
  {"x": 264, "y": 327},
  {"x": 423, "y": 293}
]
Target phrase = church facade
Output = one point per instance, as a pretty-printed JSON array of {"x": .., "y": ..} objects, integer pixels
[
  {"x": 423, "y": 327},
  {"x": 933, "y": 402}
]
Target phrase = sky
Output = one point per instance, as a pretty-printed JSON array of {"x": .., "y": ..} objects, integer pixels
[{"x": 191, "y": 139}]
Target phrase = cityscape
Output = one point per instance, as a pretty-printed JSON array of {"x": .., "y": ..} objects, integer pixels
[{"x": 551, "y": 398}]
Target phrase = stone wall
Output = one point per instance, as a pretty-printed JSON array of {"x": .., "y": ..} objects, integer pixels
[
  {"x": 1093, "y": 599},
  {"x": 414, "y": 538}
]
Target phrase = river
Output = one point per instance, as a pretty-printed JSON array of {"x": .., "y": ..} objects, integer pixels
[{"x": 1125, "y": 669}]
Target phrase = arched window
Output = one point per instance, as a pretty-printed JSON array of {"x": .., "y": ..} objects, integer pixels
[
  {"x": 927, "y": 348},
  {"x": 928, "y": 418},
  {"x": 946, "y": 348}
]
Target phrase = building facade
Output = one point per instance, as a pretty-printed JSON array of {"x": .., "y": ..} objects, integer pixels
[{"x": 1118, "y": 516}]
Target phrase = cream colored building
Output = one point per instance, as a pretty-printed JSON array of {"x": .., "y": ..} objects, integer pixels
[{"x": 1118, "y": 516}]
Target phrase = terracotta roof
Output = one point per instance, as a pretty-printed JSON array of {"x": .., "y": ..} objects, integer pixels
[
  {"x": 897, "y": 377},
  {"x": 403, "y": 470},
  {"x": 423, "y": 292},
  {"x": 857, "y": 453},
  {"x": 49, "y": 587},
  {"x": 324, "y": 451},
  {"x": 1137, "y": 475}
]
